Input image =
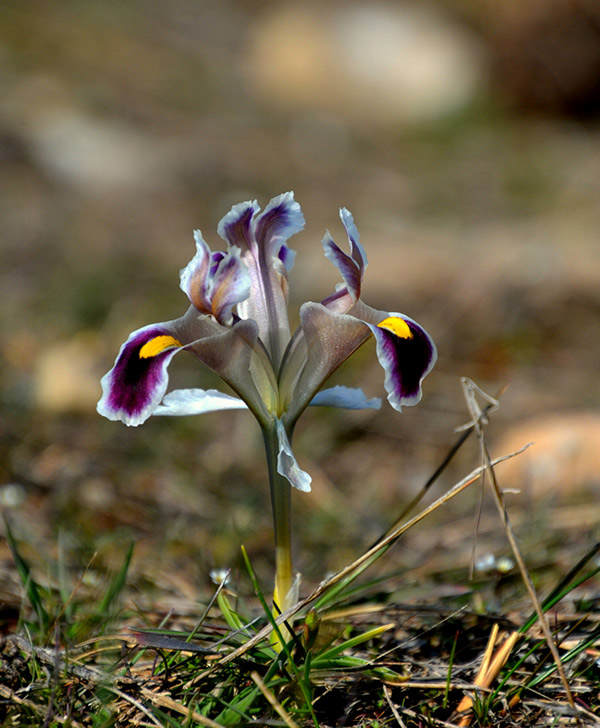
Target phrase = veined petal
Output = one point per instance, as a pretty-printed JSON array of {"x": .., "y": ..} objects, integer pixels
[
  {"x": 197, "y": 402},
  {"x": 193, "y": 278},
  {"x": 407, "y": 354},
  {"x": 238, "y": 357},
  {"x": 345, "y": 398},
  {"x": 262, "y": 240},
  {"x": 287, "y": 464},
  {"x": 353, "y": 266},
  {"x": 229, "y": 286},
  {"x": 135, "y": 385},
  {"x": 325, "y": 341},
  {"x": 280, "y": 219},
  {"x": 237, "y": 228},
  {"x": 215, "y": 282}
]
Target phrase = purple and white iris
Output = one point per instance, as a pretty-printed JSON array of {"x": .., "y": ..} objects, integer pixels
[{"x": 238, "y": 326}]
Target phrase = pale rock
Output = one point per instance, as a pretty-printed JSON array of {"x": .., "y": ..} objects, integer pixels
[
  {"x": 564, "y": 457},
  {"x": 67, "y": 376},
  {"x": 377, "y": 62}
]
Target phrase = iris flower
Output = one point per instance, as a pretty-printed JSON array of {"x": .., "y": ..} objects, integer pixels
[{"x": 237, "y": 325}]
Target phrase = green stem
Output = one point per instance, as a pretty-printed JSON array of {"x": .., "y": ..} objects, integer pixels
[{"x": 281, "y": 505}]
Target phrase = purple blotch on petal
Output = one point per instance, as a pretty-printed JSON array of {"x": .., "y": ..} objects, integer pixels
[
  {"x": 287, "y": 256},
  {"x": 406, "y": 361},
  {"x": 133, "y": 388}
]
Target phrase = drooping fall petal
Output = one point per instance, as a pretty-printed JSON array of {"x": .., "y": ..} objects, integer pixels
[
  {"x": 238, "y": 357},
  {"x": 135, "y": 385},
  {"x": 407, "y": 354},
  {"x": 324, "y": 341}
]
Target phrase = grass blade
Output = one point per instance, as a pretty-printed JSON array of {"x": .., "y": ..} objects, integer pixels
[
  {"x": 32, "y": 589},
  {"x": 117, "y": 583}
]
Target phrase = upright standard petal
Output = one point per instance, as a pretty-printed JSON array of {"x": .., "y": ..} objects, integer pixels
[
  {"x": 280, "y": 219},
  {"x": 262, "y": 240},
  {"x": 135, "y": 385},
  {"x": 353, "y": 266},
  {"x": 237, "y": 226},
  {"x": 215, "y": 282}
]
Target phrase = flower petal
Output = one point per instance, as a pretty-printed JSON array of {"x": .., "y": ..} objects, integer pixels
[
  {"x": 286, "y": 462},
  {"x": 262, "y": 240},
  {"x": 235, "y": 355},
  {"x": 229, "y": 287},
  {"x": 345, "y": 398},
  {"x": 237, "y": 228},
  {"x": 215, "y": 282},
  {"x": 353, "y": 266},
  {"x": 356, "y": 249},
  {"x": 407, "y": 354},
  {"x": 197, "y": 402},
  {"x": 135, "y": 385},
  {"x": 192, "y": 278},
  {"x": 280, "y": 219},
  {"x": 325, "y": 340}
]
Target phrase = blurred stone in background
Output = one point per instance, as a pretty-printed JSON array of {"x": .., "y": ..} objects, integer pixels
[
  {"x": 370, "y": 63},
  {"x": 562, "y": 461}
]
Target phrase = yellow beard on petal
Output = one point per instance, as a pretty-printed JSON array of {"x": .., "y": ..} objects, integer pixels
[
  {"x": 397, "y": 326},
  {"x": 157, "y": 345}
]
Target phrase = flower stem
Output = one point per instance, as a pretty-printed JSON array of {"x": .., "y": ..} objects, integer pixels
[{"x": 281, "y": 505}]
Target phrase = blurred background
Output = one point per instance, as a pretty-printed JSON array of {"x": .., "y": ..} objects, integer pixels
[{"x": 464, "y": 136}]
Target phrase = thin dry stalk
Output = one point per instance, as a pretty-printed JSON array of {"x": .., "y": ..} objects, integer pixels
[
  {"x": 164, "y": 701},
  {"x": 470, "y": 389},
  {"x": 395, "y": 713},
  {"x": 277, "y": 706}
]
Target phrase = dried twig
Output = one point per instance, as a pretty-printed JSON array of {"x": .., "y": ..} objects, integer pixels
[
  {"x": 272, "y": 700},
  {"x": 471, "y": 389}
]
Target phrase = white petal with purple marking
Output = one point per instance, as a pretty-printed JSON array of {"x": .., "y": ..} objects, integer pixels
[
  {"x": 406, "y": 358},
  {"x": 136, "y": 384}
]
